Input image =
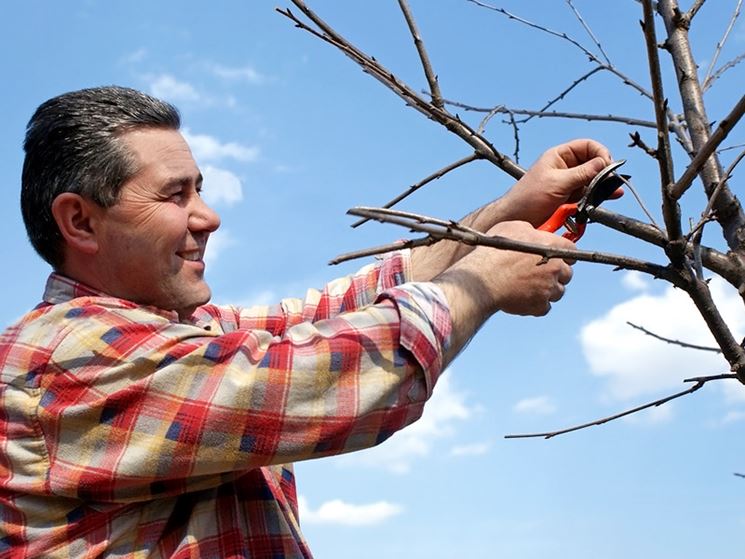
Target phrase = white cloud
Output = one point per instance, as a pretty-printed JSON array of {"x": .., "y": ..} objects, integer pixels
[
  {"x": 733, "y": 416},
  {"x": 446, "y": 407},
  {"x": 734, "y": 392},
  {"x": 135, "y": 56},
  {"x": 218, "y": 241},
  {"x": 221, "y": 187},
  {"x": 244, "y": 73},
  {"x": 339, "y": 512},
  {"x": 539, "y": 405},
  {"x": 209, "y": 148},
  {"x": 635, "y": 281},
  {"x": 475, "y": 449},
  {"x": 165, "y": 86},
  {"x": 637, "y": 364}
]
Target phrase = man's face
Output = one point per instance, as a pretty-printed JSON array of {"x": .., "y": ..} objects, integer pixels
[{"x": 152, "y": 241}]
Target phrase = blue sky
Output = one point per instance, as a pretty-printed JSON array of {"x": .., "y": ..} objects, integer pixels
[{"x": 290, "y": 134}]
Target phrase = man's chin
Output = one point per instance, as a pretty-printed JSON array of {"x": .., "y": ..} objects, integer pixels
[{"x": 200, "y": 297}]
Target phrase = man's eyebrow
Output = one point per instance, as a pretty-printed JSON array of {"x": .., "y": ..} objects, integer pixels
[{"x": 184, "y": 181}]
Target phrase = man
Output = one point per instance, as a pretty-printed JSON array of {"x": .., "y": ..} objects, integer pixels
[{"x": 137, "y": 420}]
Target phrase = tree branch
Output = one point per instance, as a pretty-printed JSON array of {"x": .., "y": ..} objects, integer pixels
[
  {"x": 708, "y": 149},
  {"x": 589, "y": 31},
  {"x": 729, "y": 212},
  {"x": 565, "y": 92},
  {"x": 434, "y": 176},
  {"x": 700, "y": 381},
  {"x": 670, "y": 207},
  {"x": 674, "y": 342},
  {"x": 553, "y": 114},
  {"x": 452, "y": 230},
  {"x": 674, "y": 123},
  {"x": 716, "y": 75},
  {"x": 726, "y": 265},
  {"x": 691, "y": 13},
  {"x": 722, "y": 41},
  {"x": 371, "y": 66},
  {"x": 434, "y": 88}
]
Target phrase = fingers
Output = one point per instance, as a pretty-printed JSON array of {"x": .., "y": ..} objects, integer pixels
[
  {"x": 576, "y": 152},
  {"x": 584, "y": 173},
  {"x": 565, "y": 274}
]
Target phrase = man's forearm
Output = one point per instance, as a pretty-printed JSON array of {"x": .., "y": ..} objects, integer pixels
[{"x": 430, "y": 261}]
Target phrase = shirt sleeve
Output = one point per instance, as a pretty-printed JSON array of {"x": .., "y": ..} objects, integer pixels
[
  {"x": 341, "y": 295},
  {"x": 133, "y": 406}
]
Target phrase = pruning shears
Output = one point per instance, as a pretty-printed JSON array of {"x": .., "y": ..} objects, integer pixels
[{"x": 574, "y": 216}]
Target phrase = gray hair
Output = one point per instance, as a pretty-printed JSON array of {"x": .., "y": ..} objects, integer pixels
[{"x": 73, "y": 144}]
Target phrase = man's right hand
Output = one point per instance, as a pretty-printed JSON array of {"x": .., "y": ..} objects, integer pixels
[{"x": 488, "y": 280}]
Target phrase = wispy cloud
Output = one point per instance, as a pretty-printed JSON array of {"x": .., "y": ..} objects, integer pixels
[
  {"x": 245, "y": 73},
  {"x": 165, "y": 86},
  {"x": 636, "y": 364},
  {"x": 218, "y": 242},
  {"x": 445, "y": 408},
  {"x": 221, "y": 187},
  {"x": 208, "y": 148},
  {"x": 339, "y": 512},
  {"x": 134, "y": 57},
  {"x": 475, "y": 449},
  {"x": 538, "y": 405},
  {"x": 734, "y": 416},
  {"x": 635, "y": 281}
]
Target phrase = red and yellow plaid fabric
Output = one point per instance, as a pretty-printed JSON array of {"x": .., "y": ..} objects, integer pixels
[{"x": 125, "y": 433}]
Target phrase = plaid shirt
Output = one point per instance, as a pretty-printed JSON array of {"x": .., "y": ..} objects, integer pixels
[{"x": 126, "y": 433}]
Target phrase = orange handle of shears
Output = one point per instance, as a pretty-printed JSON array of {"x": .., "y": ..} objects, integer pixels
[{"x": 559, "y": 218}]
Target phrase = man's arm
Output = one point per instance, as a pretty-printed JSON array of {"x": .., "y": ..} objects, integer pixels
[
  {"x": 488, "y": 280},
  {"x": 559, "y": 173}
]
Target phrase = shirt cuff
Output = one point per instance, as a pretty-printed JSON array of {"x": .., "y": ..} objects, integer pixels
[
  {"x": 425, "y": 325},
  {"x": 394, "y": 269}
]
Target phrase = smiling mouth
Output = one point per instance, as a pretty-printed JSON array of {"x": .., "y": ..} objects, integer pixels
[{"x": 192, "y": 255}]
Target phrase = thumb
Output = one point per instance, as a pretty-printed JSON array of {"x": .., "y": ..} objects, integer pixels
[{"x": 583, "y": 174}]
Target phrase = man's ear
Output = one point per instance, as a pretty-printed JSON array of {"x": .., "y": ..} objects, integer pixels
[{"x": 76, "y": 218}]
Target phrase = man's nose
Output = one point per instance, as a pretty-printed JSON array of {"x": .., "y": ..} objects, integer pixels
[{"x": 202, "y": 217}]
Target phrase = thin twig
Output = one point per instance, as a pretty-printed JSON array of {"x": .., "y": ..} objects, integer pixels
[
  {"x": 379, "y": 72},
  {"x": 452, "y": 230},
  {"x": 728, "y": 266},
  {"x": 729, "y": 148},
  {"x": 729, "y": 170},
  {"x": 553, "y": 114},
  {"x": 716, "y": 138},
  {"x": 718, "y": 74},
  {"x": 564, "y": 93},
  {"x": 670, "y": 208},
  {"x": 706, "y": 215},
  {"x": 516, "y": 135},
  {"x": 434, "y": 87},
  {"x": 397, "y": 245},
  {"x": 700, "y": 381},
  {"x": 434, "y": 176},
  {"x": 675, "y": 124},
  {"x": 636, "y": 141},
  {"x": 722, "y": 41},
  {"x": 589, "y": 32},
  {"x": 674, "y": 342},
  {"x": 691, "y": 13},
  {"x": 639, "y": 200},
  {"x": 730, "y": 213}
]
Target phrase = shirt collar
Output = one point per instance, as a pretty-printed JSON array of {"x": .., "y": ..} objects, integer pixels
[{"x": 61, "y": 289}]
